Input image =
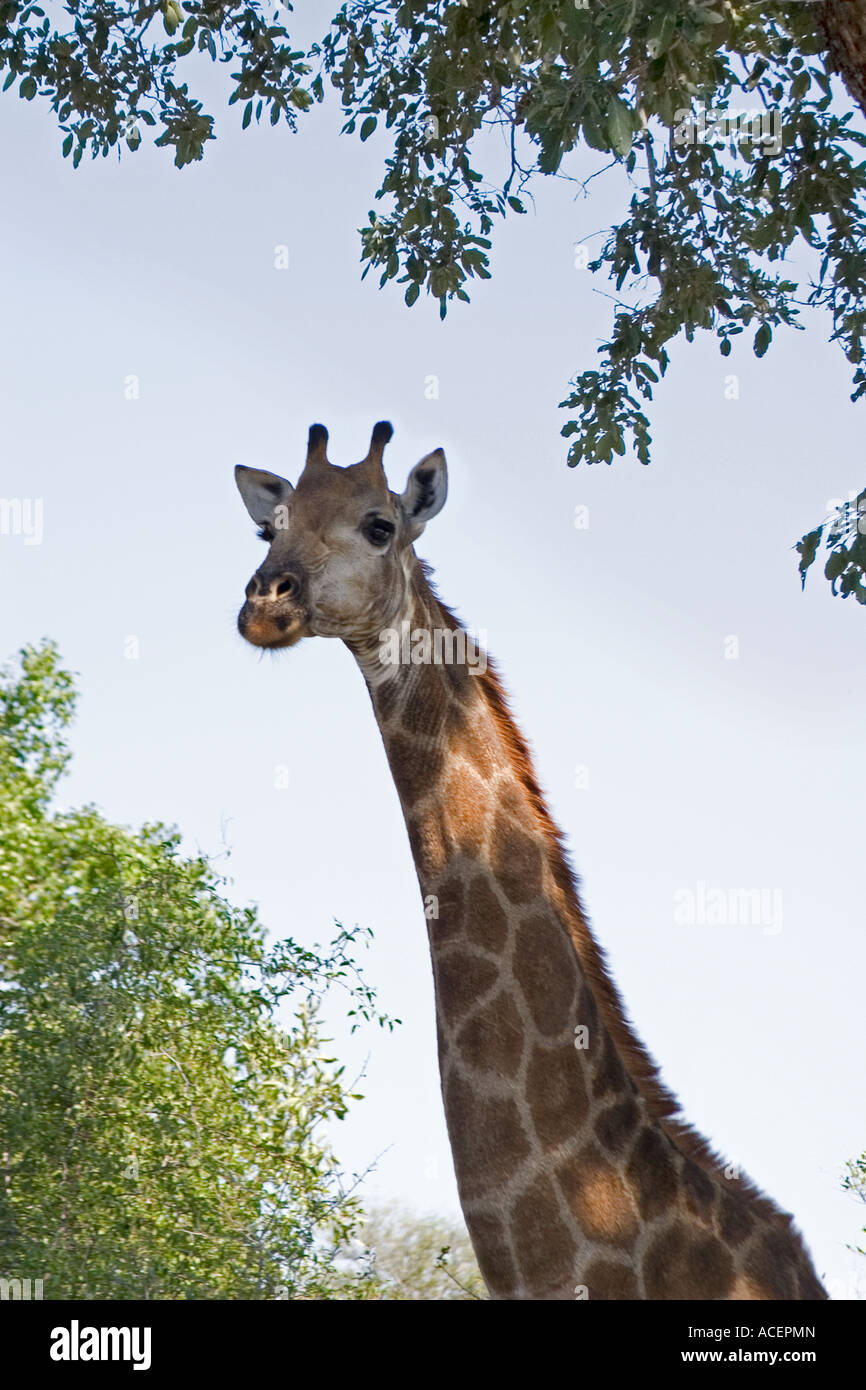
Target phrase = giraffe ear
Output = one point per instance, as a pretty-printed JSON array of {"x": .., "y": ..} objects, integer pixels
[
  {"x": 425, "y": 492},
  {"x": 262, "y": 492}
]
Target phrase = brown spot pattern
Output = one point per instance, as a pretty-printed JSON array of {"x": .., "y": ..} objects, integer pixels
[
  {"x": 487, "y": 1139},
  {"x": 616, "y": 1126},
  {"x": 415, "y": 765},
  {"x": 601, "y": 1201},
  {"x": 462, "y": 979},
  {"x": 587, "y": 1011},
  {"x": 474, "y": 744},
  {"x": 451, "y": 895},
  {"x": 605, "y": 1279},
  {"x": 494, "y": 1256},
  {"x": 610, "y": 1076},
  {"x": 699, "y": 1191},
  {"x": 516, "y": 860},
  {"x": 736, "y": 1222},
  {"x": 680, "y": 1264},
  {"x": 545, "y": 1248},
  {"x": 546, "y": 970},
  {"x": 493, "y": 1039},
  {"x": 769, "y": 1264},
  {"x": 556, "y": 1093},
  {"x": 511, "y": 798},
  {"x": 427, "y": 844},
  {"x": 652, "y": 1172},
  {"x": 427, "y": 704},
  {"x": 486, "y": 922},
  {"x": 465, "y": 805}
]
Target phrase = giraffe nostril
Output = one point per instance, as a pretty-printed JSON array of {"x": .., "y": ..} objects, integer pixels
[{"x": 265, "y": 588}]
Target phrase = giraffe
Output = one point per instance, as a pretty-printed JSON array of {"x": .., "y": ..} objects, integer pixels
[{"x": 577, "y": 1176}]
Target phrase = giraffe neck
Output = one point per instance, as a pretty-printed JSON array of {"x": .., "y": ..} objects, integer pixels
[{"x": 574, "y": 1178}]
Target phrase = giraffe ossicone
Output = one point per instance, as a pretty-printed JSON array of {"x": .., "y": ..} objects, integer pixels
[{"x": 577, "y": 1176}]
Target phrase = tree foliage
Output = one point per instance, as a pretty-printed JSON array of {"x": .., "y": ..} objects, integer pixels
[
  {"x": 844, "y": 539},
  {"x": 108, "y": 69},
  {"x": 727, "y": 126},
  {"x": 405, "y": 1257},
  {"x": 163, "y": 1083},
  {"x": 855, "y": 1181}
]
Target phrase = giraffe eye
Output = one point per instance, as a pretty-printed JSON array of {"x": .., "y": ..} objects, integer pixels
[
  {"x": 265, "y": 533},
  {"x": 379, "y": 531}
]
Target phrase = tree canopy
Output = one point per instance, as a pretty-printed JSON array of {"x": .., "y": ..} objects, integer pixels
[
  {"x": 163, "y": 1076},
  {"x": 412, "y": 1258},
  {"x": 729, "y": 126}
]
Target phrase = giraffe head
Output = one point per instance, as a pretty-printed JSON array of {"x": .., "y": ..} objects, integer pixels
[{"x": 339, "y": 544}]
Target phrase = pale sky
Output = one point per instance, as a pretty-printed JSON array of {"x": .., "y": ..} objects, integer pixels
[{"x": 740, "y": 772}]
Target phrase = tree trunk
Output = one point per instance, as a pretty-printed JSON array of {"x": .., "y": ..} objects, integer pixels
[{"x": 843, "y": 25}]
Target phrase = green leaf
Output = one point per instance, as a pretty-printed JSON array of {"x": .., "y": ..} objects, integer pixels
[
  {"x": 807, "y": 548},
  {"x": 763, "y": 338},
  {"x": 248, "y": 115},
  {"x": 28, "y": 88},
  {"x": 661, "y": 31},
  {"x": 368, "y": 127},
  {"x": 620, "y": 126},
  {"x": 412, "y": 294}
]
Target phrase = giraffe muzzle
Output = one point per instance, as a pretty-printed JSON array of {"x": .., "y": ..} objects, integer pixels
[{"x": 275, "y": 613}]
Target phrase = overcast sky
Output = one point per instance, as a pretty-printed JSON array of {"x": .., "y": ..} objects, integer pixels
[{"x": 677, "y": 760}]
